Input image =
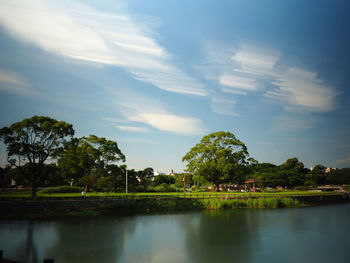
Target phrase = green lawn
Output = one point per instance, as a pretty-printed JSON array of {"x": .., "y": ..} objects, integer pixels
[{"x": 26, "y": 195}]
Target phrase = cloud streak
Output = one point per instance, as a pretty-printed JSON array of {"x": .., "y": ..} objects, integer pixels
[
  {"x": 224, "y": 106},
  {"x": 77, "y": 31},
  {"x": 14, "y": 83},
  {"x": 250, "y": 69},
  {"x": 132, "y": 128},
  {"x": 343, "y": 161},
  {"x": 300, "y": 88},
  {"x": 139, "y": 108}
]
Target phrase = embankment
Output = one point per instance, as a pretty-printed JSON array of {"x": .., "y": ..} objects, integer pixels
[{"x": 44, "y": 209}]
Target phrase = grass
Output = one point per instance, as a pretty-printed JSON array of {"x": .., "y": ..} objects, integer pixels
[
  {"x": 148, "y": 206},
  {"x": 148, "y": 203},
  {"x": 251, "y": 203},
  {"x": 202, "y": 195}
]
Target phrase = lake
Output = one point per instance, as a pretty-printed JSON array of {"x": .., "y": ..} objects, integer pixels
[{"x": 315, "y": 234}]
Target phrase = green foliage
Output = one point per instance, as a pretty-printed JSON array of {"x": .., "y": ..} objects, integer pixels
[
  {"x": 145, "y": 178},
  {"x": 34, "y": 140},
  {"x": 199, "y": 180},
  {"x": 190, "y": 204},
  {"x": 61, "y": 189},
  {"x": 107, "y": 183},
  {"x": 163, "y": 188},
  {"x": 291, "y": 173},
  {"x": 338, "y": 176},
  {"x": 317, "y": 176},
  {"x": 87, "y": 159},
  {"x": 163, "y": 179},
  {"x": 89, "y": 181},
  {"x": 250, "y": 203},
  {"x": 219, "y": 157}
]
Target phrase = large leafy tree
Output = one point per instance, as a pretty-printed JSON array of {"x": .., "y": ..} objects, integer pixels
[
  {"x": 90, "y": 157},
  {"x": 219, "y": 157},
  {"x": 33, "y": 141}
]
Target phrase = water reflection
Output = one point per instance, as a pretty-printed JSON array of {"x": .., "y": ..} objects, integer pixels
[
  {"x": 87, "y": 240},
  {"x": 218, "y": 236},
  {"x": 318, "y": 234}
]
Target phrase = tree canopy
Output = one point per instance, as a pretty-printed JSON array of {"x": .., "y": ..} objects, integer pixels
[
  {"x": 33, "y": 141},
  {"x": 218, "y": 157},
  {"x": 89, "y": 156}
]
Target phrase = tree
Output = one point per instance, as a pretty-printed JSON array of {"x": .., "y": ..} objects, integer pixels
[
  {"x": 89, "y": 157},
  {"x": 317, "y": 176},
  {"x": 294, "y": 172},
  {"x": 33, "y": 141},
  {"x": 219, "y": 157},
  {"x": 163, "y": 179},
  {"x": 183, "y": 180},
  {"x": 145, "y": 177}
]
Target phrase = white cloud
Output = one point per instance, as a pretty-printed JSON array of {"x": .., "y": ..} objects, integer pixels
[
  {"x": 15, "y": 83},
  {"x": 224, "y": 106},
  {"x": 250, "y": 69},
  {"x": 301, "y": 88},
  {"x": 140, "y": 108},
  {"x": 78, "y": 31},
  {"x": 170, "y": 122},
  {"x": 232, "y": 83},
  {"x": 239, "y": 70},
  {"x": 293, "y": 123},
  {"x": 343, "y": 161},
  {"x": 115, "y": 120},
  {"x": 255, "y": 61},
  {"x": 132, "y": 128}
]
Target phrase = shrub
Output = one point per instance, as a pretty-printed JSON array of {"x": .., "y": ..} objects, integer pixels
[{"x": 163, "y": 188}]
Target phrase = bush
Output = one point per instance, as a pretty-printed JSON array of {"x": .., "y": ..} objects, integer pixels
[
  {"x": 163, "y": 188},
  {"x": 61, "y": 189}
]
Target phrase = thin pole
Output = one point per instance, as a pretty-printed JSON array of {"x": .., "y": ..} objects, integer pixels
[{"x": 126, "y": 181}]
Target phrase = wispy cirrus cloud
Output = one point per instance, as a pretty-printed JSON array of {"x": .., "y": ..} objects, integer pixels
[
  {"x": 247, "y": 69},
  {"x": 255, "y": 61},
  {"x": 238, "y": 70},
  {"x": 132, "y": 128},
  {"x": 299, "y": 88},
  {"x": 295, "y": 122},
  {"x": 343, "y": 161},
  {"x": 142, "y": 109},
  {"x": 224, "y": 106},
  {"x": 169, "y": 122},
  {"x": 15, "y": 83},
  {"x": 77, "y": 31}
]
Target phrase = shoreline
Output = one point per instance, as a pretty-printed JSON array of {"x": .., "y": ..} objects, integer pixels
[{"x": 51, "y": 209}]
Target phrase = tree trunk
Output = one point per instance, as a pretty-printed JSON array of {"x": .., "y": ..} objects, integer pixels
[
  {"x": 217, "y": 187},
  {"x": 36, "y": 172},
  {"x": 33, "y": 190}
]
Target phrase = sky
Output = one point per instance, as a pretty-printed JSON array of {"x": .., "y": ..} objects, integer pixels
[{"x": 156, "y": 76}]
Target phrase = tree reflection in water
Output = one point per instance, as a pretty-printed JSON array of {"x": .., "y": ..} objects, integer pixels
[
  {"x": 221, "y": 236},
  {"x": 77, "y": 240},
  {"x": 95, "y": 240}
]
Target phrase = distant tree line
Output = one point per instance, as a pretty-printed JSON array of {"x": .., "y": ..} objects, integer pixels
[{"x": 43, "y": 152}]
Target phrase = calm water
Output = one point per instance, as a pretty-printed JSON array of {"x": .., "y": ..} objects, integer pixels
[{"x": 317, "y": 234}]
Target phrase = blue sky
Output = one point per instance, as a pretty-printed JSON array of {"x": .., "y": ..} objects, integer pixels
[{"x": 156, "y": 76}]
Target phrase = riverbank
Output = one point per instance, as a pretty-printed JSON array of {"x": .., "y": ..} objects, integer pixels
[{"x": 46, "y": 209}]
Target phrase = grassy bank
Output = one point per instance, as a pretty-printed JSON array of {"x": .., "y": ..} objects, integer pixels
[
  {"x": 197, "y": 204},
  {"x": 23, "y": 195},
  {"x": 54, "y": 209},
  {"x": 68, "y": 206}
]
